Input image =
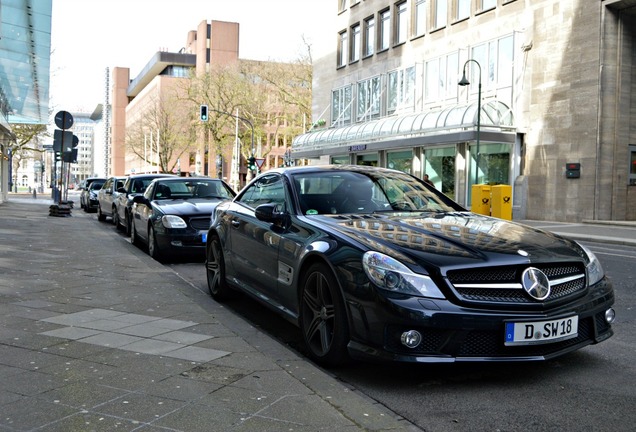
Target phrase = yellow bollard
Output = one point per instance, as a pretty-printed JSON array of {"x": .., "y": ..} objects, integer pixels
[
  {"x": 481, "y": 199},
  {"x": 501, "y": 201}
]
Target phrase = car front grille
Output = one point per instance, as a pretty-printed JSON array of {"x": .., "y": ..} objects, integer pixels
[
  {"x": 201, "y": 224},
  {"x": 502, "y": 285}
]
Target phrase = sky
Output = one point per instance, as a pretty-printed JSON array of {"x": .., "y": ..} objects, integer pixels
[{"x": 88, "y": 36}]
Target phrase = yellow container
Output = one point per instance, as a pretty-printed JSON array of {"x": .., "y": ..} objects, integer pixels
[
  {"x": 501, "y": 201},
  {"x": 481, "y": 199}
]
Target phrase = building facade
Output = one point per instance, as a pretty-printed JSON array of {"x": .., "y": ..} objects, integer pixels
[
  {"x": 539, "y": 95},
  {"x": 25, "y": 52},
  {"x": 87, "y": 127}
]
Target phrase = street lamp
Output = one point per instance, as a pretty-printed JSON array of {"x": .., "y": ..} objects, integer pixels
[
  {"x": 287, "y": 158},
  {"x": 464, "y": 82}
]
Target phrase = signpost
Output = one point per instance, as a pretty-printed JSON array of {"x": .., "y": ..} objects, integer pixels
[{"x": 64, "y": 146}]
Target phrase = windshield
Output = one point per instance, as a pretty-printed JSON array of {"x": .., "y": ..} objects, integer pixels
[
  {"x": 340, "y": 192},
  {"x": 187, "y": 188}
]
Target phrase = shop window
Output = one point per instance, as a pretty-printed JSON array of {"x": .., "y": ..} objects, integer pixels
[
  {"x": 439, "y": 164},
  {"x": 401, "y": 161},
  {"x": 340, "y": 160},
  {"x": 494, "y": 163},
  {"x": 367, "y": 159}
]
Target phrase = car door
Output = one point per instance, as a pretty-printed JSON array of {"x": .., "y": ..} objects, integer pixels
[
  {"x": 141, "y": 213},
  {"x": 254, "y": 245}
]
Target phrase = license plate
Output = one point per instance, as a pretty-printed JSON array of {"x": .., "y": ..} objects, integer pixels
[
  {"x": 538, "y": 332},
  {"x": 204, "y": 237}
]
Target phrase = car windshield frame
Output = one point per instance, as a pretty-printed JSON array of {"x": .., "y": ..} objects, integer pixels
[
  {"x": 189, "y": 188},
  {"x": 345, "y": 191}
]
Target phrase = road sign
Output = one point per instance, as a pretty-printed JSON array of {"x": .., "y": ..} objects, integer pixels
[
  {"x": 259, "y": 162},
  {"x": 63, "y": 119}
]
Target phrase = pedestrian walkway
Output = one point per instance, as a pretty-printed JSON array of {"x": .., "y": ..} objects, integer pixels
[
  {"x": 618, "y": 233},
  {"x": 97, "y": 336}
]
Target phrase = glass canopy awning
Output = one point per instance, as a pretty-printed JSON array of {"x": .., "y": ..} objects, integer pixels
[{"x": 495, "y": 116}]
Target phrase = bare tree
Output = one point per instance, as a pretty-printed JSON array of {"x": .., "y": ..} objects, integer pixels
[
  {"x": 27, "y": 144},
  {"x": 162, "y": 134},
  {"x": 228, "y": 91}
]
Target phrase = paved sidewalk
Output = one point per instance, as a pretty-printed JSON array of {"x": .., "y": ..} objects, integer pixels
[{"x": 97, "y": 336}]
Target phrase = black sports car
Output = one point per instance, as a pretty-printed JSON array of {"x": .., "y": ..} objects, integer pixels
[
  {"x": 174, "y": 214},
  {"x": 374, "y": 263}
]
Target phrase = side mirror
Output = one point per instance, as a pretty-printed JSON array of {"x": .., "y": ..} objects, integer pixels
[
  {"x": 269, "y": 213},
  {"x": 140, "y": 199}
]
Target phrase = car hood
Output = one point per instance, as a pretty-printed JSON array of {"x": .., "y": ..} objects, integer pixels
[
  {"x": 191, "y": 207},
  {"x": 455, "y": 239}
]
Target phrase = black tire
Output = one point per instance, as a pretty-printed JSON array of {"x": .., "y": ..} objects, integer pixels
[
  {"x": 128, "y": 223},
  {"x": 133, "y": 234},
  {"x": 153, "y": 247},
  {"x": 323, "y": 320},
  {"x": 100, "y": 216},
  {"x": 215, "y": 270},
  {"x": 116, "y": 220}
]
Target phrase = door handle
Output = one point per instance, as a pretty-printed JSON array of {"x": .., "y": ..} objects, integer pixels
[{"x": 236, "y": 223}]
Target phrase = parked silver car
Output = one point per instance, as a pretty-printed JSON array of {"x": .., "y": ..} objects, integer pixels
[
  {"x": 107, "y": 196},
  {"x": 83, "y": 188}
]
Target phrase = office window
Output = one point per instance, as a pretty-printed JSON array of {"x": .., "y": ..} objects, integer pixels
[
  {"x": 441, "y": 13},
  {"x": 342, "y": 48},
  {"x": 369, "y": 36},
  {"x": 496, "y": 60},
  {"x": 401, "y": 90},
  {"x": 441, "y": 78},
  {"x": 463, "y": 9},
  {"x": 369, "y": 99},
  {"x": 342, "y": 5},
  {"x": 401, "y": 22},
  {"x": 419, "y": 19},
  {"x": 341, "y": 106},
  {"x": 385, "y": 30},
  {"x": 632, "y": 165},
  {"x": 488, "y": 4},
  {"x": 355, "y": 43}
]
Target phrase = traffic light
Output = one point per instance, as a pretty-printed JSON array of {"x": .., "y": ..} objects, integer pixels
[
  {"x": 203, "y": 113},
  {"x": 251, "y": 163}
]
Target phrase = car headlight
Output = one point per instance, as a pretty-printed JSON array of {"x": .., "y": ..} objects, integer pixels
[
  {"x": 171, "y": 221},
  {"x": 593, "y": 267},
  {"x": 390, "y": 274},
  {"x": 92, "y": 196}
]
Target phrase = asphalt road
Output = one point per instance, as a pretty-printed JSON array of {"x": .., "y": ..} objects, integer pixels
[{"x": 592, "y": 389}]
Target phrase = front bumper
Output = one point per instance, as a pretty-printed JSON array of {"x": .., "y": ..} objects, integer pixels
[
  {"x": 177, "y": 242},
  {"x": 452, "y": 333}
]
